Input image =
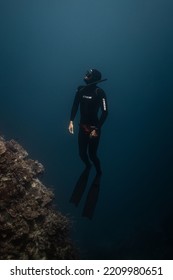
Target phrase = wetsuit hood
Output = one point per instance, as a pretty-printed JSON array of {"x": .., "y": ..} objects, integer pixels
[{"x": 92, "y": 76}]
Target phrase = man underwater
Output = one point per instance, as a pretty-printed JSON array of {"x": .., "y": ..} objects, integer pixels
[{"x": 91, "y": 99}]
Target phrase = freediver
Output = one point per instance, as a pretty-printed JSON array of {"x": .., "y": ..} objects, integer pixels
[{"x": 91, "y": 99}]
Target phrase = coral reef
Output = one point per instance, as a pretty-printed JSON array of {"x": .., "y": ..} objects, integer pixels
[{"x": 29, "y": 226}]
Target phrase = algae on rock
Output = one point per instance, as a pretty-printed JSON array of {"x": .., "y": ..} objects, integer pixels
[{"x": 29, "y": 226}]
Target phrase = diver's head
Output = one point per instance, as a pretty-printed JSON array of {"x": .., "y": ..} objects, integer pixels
[{"x": 92, "y": 76}]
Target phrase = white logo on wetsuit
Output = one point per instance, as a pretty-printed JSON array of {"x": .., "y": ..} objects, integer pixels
[
  {"x": 104, "y": 104},
  {"x": 88, "y": 97}
]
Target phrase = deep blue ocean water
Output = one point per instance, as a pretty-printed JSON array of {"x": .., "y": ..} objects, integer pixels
[{"x": 46, "y": 48}]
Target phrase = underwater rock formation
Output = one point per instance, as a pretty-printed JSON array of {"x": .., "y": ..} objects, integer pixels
[{"x": 29, "y": 226}]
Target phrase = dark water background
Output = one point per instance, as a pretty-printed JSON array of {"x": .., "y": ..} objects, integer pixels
[{"x": 45, "y": 49}]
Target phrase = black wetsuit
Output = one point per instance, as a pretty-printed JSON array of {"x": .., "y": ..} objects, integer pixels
[{"x": 91, "y": 99}]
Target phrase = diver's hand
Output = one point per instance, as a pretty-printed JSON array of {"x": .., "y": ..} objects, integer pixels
[
  {"x": 71, "y": 127},
  {"x": 93, "y": 133}
]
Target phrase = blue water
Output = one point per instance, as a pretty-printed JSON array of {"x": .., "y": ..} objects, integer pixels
[{"x": 46, "y": 47}]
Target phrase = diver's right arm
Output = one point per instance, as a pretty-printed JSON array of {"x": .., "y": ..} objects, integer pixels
[
  {"x": 73, "y": 112},
  {"x": 71, "y": 127}
]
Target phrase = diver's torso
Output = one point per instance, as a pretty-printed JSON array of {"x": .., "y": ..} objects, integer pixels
[{"x": 89, "y": 106}]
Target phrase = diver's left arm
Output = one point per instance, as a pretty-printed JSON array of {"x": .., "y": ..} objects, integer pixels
[
  {"x": 104, "y": 112},
  {"x": 104, "y": 108}
]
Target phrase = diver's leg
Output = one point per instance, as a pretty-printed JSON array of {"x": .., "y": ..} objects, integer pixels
[
  {"x": 93, "y": 146},
  {"x": 83, "y": 140}
]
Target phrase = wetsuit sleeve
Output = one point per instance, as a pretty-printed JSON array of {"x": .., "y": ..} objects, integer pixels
[
  {"x": 104, "y": 108},
  {"x": 75, "y": 106}
]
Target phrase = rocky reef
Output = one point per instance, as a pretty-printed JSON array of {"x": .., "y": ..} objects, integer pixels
[{"x": 30, "y": 228}]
